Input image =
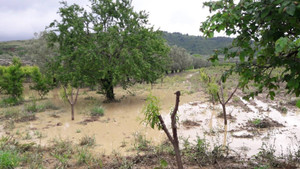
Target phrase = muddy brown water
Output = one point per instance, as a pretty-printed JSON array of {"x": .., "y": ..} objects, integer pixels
[
  {"x": 114, "y": 131},
  {"x": 122, "y": 120}
]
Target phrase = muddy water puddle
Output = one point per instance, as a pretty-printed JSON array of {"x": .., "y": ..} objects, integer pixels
[
  {"x": 241, "y": 135},
  {"x": 115, "y": 131}
]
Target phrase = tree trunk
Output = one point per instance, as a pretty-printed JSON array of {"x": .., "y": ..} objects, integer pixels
[
  {"x": 177, "y": 153},
  {"x": 108, "y": 88},
  {"x": 224, "y": 114},
  {"x": 110, "y": 96},
  {"x": 72, "y": 111}
]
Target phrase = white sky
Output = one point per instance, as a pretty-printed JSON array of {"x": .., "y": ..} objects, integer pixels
[{"x": 21, "y": 18}]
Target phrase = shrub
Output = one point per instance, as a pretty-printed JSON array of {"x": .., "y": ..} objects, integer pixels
[
  {"x": 41, "y": 83},
  {"x": 8, "y": 159},
  {"x": 97, "y": 111},
  {"x": 10, "y": 101},
  {"x": 12, "y": 80}
]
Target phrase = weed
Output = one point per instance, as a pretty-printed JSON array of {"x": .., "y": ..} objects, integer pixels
[
  {"x": 141, "y": 143},
  {"x": 11, "y": 113},
  {"x": 283, "y": 110},
  {"x": 97, "y": 111},
  {"x": 78, "y": 131},
  {"x": 83, "y": 156},
  {"x": 10, "y": 101},
  {"x": 38, "y": 134},
  {"x": 9, "y": 124},
  {"x": 87, "y": 141},
  {"x": 256, "y": 122},
  {"x": 27, "y": 136},
  {"x": 9, "y": 159}
]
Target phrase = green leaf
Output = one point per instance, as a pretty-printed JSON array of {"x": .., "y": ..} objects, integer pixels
[
  {"x": 281, "y": 44},
  {"x": 291, "y": 9},
  {"x": 163, "y": 163},
  {"x": 298, "y": 103}
]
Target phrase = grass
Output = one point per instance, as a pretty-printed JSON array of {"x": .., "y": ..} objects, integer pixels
[
  {"x": 87, "y": 141},
  {"x": 10, "y": 101},
  {"x": 97, "y": 111},
  {"x": 9, "y": 159}
]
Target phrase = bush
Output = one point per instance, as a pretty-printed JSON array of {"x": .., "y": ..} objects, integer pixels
[
  {"x": 12, "y": 80},
  {"x": 10, "y": 101},
  {"x": 41, "y": 83},
  {"x": 97, "y": 111},
  {"x": 8, "y": 159}
]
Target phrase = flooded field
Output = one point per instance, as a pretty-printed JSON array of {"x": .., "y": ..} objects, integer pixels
[
  {"x": 113, "y": 132},
  {"x": 253, "y": 125}
]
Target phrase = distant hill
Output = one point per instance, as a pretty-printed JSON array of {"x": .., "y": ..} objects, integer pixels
[
  {"x": 25, "y": 49},
  {"x": 197, "y": 44}
]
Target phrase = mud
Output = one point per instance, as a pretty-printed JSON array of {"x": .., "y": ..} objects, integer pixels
[{"x": 241, "y": 135}]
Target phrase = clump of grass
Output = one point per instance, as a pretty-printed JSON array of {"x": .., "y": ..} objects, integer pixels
[
  {"x": 141, "y": 143},
  {"x": 87, "y": 141},
  {"x": 11, "y": 114},
  {"x": 10, "y": 101},
  {"x": 9, "y": 159},
  {"x": 97, "y": 111},
  {"x": 257, "y": 123},
  {"x": 62, "y": 150},
  {"x": 9, "y": 124},
  {"x": 84, "y": 156}
]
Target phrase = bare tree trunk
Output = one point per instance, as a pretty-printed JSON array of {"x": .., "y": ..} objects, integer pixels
[
  {"x": 174, "y": 139},
  {"x": 71, "y": 100},
  {"x": 72, "y": 111}
]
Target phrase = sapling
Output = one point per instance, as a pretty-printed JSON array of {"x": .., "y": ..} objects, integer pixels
[{"x": 153, "y": 118}]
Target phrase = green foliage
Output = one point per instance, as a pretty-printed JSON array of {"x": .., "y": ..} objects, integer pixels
[
  {"x": 9, "y": 159},
  {"x": 41, "y": 83},
  {"x": 10, "y": 101},
  {"x": 197, "y": 44},
  {"x": 123, "y": 49},
  {"x": 256, "y": 122},
  {"x": 298, "y": 103},
  {"x": 11, "y": 81},
  {"x": 151, "y": 112},
  {"x": 267, "y": 37},
  {"x": 180, "y": 59},
  {"x": 97, "y": 111}
]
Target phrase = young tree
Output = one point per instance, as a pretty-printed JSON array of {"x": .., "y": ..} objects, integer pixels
[
  {"x": 41, "y": 83},
  {"x": 153, "y": 117},
  {"x": 267, "y": 37},
  {"x": 12, "y": 80},
  {"x": 73, "y": 39}
]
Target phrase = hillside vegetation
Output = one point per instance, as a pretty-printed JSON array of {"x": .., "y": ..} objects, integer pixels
[
  {"x": 192, "y": 44},
  {"x": 197, "y": 44}
]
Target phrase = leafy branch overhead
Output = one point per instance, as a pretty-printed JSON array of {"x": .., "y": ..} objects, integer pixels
[{"x": 266, "y": 40}]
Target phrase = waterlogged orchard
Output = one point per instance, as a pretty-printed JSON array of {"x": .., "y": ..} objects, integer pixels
[{"x": 106, "y": 91}]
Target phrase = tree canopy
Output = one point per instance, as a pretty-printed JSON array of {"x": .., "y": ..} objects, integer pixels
[
  {"x": 109, "y": 45},
  {"x": 266, "y": 39}
]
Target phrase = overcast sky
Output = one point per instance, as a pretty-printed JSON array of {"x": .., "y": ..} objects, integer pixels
[{"x": 19, "y": 19}]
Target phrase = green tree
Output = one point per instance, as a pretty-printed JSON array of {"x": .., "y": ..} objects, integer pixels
[
  {"x": 267, "y": 37},
  {"x": 180, "y": 58},
  {"x": 70, "y": 65},
  {"x": 127, "y": 49},
  {"x": 110, "y": 45},
  {"x": 12, "y": 80}
]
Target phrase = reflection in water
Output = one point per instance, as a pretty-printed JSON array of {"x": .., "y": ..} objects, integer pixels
[{"x": 225, "y": 135}]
